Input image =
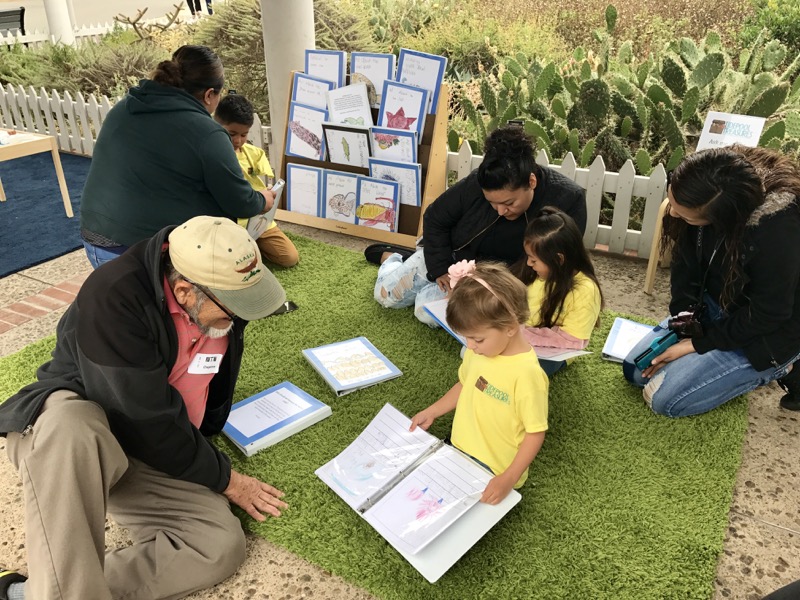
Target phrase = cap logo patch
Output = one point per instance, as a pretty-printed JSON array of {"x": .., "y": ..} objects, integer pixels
[{"x": 252, "y": 263}]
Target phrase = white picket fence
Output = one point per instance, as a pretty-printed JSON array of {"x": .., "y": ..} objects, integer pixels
[
  {"x": 624, "y": 186},
  {"x": 72, "y": 118},
  {"x": 76, "y": 120}
]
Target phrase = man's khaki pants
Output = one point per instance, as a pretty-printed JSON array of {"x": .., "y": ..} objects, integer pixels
[{"x": 73, "y": 470}]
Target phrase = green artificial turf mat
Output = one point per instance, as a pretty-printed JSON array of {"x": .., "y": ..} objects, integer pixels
[{"x": 620, "y": 503}]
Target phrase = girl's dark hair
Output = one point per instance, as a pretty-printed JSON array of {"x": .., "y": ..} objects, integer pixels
[
  {"x": 193, "y": 69},
  {"x": 234, "y": 108},
  {"x": 472, "y": 306},
  {"x": 555, "y": 239},
  {"x": 727, "y": 185},
  {"x": 508, "y": 160}
]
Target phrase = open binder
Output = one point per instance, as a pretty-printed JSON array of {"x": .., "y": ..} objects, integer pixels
[{"x": 420, "y": 494}]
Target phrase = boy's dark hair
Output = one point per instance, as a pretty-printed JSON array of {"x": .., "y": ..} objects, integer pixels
[{"x": 234, "y": 108}]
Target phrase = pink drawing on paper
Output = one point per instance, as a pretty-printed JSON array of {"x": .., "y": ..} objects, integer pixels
[{"x": 399, "y": 120}]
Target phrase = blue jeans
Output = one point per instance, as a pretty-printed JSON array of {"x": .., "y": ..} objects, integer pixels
[
  {"x": 551, "y": 367},
  {"x": 401, "y": 284},
  {"x": 99, "y": 255},
  {"x": 697, "y": 383}
]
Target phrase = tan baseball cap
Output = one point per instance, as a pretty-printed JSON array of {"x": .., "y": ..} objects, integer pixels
[{"x": 220, "y": 255}]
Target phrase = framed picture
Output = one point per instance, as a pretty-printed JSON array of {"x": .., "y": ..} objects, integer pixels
[
  {"x": 422, "y": 70},
  {"x": 327, "y": 64},
  {"x": 303, "y": 189},
  {"x": 311, "y": 91},
  {"x": 372, "y": 69},
  {"x": 339, "y": 195},
  {"x": 403, "y": 107},
  {"x": 350, "y": 105},
  {"x": 304, "y": 131},
  {"x": 394, "y": 144},
  {"x": 347, "y": 144},
  {"x": 377, "y": 203},
  {"x": 407, "y": 175}
]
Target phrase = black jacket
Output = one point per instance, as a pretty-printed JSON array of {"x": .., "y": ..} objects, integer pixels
[
  {"x": 116, "y": 346},
  {"x": 456, "y": 222},
  {"x": 764, "y": 319}
]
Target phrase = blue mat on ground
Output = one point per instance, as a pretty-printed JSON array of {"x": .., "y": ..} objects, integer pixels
[{"x": 33, "y": 225}]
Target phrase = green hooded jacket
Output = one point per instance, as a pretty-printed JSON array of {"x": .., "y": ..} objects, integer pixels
[{"x": 160, "y": 159}]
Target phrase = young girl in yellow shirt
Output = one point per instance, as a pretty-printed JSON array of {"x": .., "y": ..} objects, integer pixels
[
  {"x": 501, "y": 395},
  {"x": 563, "y": 292}
]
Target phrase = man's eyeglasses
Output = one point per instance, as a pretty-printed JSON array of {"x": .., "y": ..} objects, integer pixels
[{"x": 210, "y": 296}]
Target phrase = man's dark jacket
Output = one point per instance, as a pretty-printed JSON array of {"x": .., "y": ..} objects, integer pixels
[
  {"x": 116, "y": 346},
  {"x": 457, "y": 221}
]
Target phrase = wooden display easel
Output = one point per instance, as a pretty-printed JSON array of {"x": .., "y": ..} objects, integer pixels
[{"x": 433, "y": 158}]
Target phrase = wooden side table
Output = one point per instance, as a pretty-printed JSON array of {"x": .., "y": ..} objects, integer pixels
[{"x": 34, "y": 143}]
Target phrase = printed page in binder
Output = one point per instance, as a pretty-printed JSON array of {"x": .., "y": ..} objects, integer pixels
[
  {"x": 428, "y": 500},
  {"x": 376, "y": 457}
]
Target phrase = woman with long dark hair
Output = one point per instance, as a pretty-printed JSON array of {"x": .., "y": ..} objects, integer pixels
[
  {"x": 734, "y": 220},
  {"x": 160, "y": 159}
]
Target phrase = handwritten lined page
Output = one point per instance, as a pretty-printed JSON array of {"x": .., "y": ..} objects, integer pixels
[
  {"x": 375, "y": 457},
  {"x": 428, "y": 500}
]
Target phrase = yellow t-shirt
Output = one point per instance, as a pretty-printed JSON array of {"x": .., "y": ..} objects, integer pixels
[
  {"x": 581, "y": 306},
  {"x": 254, "y": 162},
  {"x": 504, "y": 397}
]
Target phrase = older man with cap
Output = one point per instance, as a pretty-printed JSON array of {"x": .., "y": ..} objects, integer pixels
[{"x": 144, "y": 368}]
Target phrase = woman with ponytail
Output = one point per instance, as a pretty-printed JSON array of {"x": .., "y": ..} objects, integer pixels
[{"x": 160, "y": 159}]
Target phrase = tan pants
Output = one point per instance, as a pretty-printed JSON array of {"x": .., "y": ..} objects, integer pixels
[
  {"x": 185, "y": 537},
  {"x": 277, "y": 248}
]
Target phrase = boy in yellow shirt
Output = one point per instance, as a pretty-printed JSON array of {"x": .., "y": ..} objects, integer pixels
[{"x": 235, "y": 114}]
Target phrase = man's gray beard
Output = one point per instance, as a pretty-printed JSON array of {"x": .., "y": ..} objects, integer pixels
[{"x": 207, "y": 330}]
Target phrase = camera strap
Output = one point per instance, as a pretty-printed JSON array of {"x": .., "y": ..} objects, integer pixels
[{"x": 708, "y": 266}]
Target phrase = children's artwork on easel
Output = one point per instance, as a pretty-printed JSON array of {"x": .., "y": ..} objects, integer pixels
[
  {"x": 408, "y": 175},
  {"x": 377, "y": 203},
  {"x": 349, "y": 105},
  {"x": 422, "y": 70},
  {"x": 311, "y": 91},
  {"x": 372, "y": 69},
  {"x": 403, "y": 107},
  {"x": 347, "y": 144},
  {"x": 394, "y": 144},
  {"x": 327, "y": 64},
  {"x": 304, "y": 131},
  {"x": 303, "y": 185},
  {"x": 339, "y": 196}
]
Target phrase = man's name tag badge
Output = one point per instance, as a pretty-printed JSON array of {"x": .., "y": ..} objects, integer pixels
[{"x": 205, "y": 363}]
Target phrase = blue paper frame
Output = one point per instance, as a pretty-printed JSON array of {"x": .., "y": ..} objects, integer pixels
[
  {"x": 389, "y": 59},
  {"x": 395, "y": 199},
  {"x": 420, "y": 117},
  {"x": 245, "y": 441},
  {"x": 290, "y": 168},
  {"x": 412, "y": 136},
  {"x": 324, "y": 199},
  {"x": 340, "y": 72},
  {"x": 414, "y": 168},
  {"x": 293, "y": 106},
  {"x": 298, "y": 76},
  {"x": 441, "y": 60}
]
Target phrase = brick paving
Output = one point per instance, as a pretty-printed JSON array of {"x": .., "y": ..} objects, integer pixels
[{"x": 40, "y": 304}]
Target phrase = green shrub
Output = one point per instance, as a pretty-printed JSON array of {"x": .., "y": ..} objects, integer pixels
[{"x": 780, "y": 17}]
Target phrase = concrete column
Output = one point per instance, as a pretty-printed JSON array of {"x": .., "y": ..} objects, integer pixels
[
  {"x": 288, "y": 27},
  {"x": 58, "y": 21}
]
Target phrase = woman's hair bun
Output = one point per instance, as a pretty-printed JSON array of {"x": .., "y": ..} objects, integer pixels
[{"x": 167, "y": 72}]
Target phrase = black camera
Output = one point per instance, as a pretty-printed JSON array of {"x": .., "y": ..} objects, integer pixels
[{"x": 687, "y": 324}]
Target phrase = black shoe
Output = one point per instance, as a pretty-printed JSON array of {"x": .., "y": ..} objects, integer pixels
[
  {"x": 374, "y": 252},
  {"x": 791, "y": 383},
  {"x": 6, "y": 579}
]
